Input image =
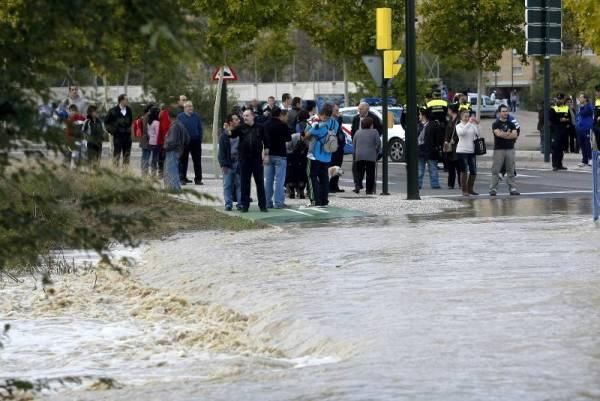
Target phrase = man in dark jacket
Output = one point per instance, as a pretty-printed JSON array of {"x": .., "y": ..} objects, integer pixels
[
  {"x": 363, "y": 112},
  {"x": 118, "y": 122},
  {"x": 428, "y": 149},
  {"x": 229, "y": 162},
  {"x": 337, "y": 158},
  {"x": 277, "y": 133},
  {"x": 252, "y": 153}
]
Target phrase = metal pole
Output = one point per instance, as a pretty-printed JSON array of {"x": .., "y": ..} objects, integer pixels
[
  {"x": 384, "y": 112},
  {"x": 412, "y": 187},
  {"x": 547, "y": 127}
]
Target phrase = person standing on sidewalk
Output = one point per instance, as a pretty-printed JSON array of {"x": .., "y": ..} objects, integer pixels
[
  {"x": 571, "y": 145},
  {"x": 467, "y": 133},
  {"x": 229, "y": 162},
  {"x": 367, "y": 146},
  {"x": 561, "y": 122},
  {"x": 118, "y": 122},
  {"x": 293, "y": 113},
  {"x": 153, "y": 128},
  {"x": 337, "y": 157},
  {"x": 450, "y": 142},
  {"x": 363, "y": 112},
  {"x": 277, "y": 133},
  {"x": 93, "y": 132},
  {"x": 252, "y": 154},
  {"x": 191, "y": 120},
  {"x": 505, "y": 136},
  {"x": 597, "y": 118},
  {"x": 585, "y": 121},
  {"x": 176, "y": 141},
  {"x": 318, "y": 158},
  {"x": 428, "y": 149},
  {"x": 163, "y": 128}
]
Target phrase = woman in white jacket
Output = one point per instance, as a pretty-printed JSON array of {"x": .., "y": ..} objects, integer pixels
[{"x": 465, "y": 152}]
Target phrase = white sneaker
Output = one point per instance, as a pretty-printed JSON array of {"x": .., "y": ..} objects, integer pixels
[{"x": 581, "y": 165}]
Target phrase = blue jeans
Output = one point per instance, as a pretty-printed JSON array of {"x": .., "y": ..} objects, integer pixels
[
  {"x": 146, "y": 153},
  {"x": 150, "y": 159},
  {"x": 172, "y": 171},
  {"x": 275, "y": 176},
  {"x": 583, "y": 137},
  {"x": 433, "y": 173},
  {"x": 467, "y": 160},
  {"x": 232, "y": 187}
]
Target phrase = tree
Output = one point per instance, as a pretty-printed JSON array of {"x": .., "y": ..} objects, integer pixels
[
  {"x": 586, "y": 14},
  {"x": 41, "y": 39},
  {"x": 345, "y": 30},
  {"x": 472, "y": 35}
]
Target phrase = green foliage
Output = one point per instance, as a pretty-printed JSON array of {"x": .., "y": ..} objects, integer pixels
[
  {"x": 43, "y": 206},
  {"x": 586, "y": 14},
  {"x": 472, "y": 35},
  {"x": 571, "y": 75}
]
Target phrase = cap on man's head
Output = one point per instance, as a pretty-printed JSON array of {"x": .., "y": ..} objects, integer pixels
[{"x": 561, "y": 96}]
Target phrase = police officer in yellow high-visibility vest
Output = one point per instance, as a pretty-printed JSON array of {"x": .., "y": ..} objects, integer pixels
[
  {"x": 464, "y": 104},
  {"x": 560, "y": 117},
  {"x": 438, "y": 111},
  {"x": 597, "y": 117}
]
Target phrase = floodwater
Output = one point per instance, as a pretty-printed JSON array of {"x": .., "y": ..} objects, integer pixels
[{"x": 486, "y": 308}]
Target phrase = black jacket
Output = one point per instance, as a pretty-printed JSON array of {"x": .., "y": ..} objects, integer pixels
[
  {"x": 376, "y": 123},
  {"x": 252, "y": 140},
  {"x": 225, "y": 159},
  {"x": 277, "y": 133},
  {"x": 118, "y": 124},
  {"x": 429, "y": 150}
]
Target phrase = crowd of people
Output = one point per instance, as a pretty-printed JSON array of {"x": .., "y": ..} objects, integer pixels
[
  {"x": 293, "y": 150},
  {"x": 575, "y": 127}
]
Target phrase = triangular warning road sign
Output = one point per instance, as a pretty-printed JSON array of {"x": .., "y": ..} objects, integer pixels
[{"x": 228, "y": 74}]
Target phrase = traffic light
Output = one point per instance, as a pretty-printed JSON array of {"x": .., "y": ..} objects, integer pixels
[
  {"x": 384, "y": 28},
  {"x": 390, "y": 67}
]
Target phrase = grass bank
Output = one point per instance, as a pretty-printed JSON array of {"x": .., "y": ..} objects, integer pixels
[{"x": 45, "y": 207}]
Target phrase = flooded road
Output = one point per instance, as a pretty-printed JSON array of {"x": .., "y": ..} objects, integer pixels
[{"x": 494, "y": 308}]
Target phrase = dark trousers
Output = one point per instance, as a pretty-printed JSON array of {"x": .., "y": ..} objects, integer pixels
[
  {"x": 94, "y": 152},
  {"x": 249, "y": 168},
  {"x": 195, "y": 148},
  {"x": 571, "y": 144},
  {"x": 121, "y": 147},
  {"x": 318, "y": 182},
  {"x": 453, "y": 171},
  {"x": 558, "y": 145},
  {"x": 161, "y": 161},
  {"x": 368, "y": 167}
]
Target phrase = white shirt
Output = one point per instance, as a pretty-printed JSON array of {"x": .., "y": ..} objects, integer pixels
[
  {"x": 467, "y": 133},
  {"x": 123, "y": 110}
]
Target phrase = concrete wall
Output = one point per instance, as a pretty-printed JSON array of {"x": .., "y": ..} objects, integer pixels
[{"x": 243, "y": 91}]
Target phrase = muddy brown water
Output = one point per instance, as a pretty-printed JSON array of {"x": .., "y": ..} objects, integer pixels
[{"x": 486, "y": 307}]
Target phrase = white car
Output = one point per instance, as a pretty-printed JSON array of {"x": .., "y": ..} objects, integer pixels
[
  {"x": 396, "y": 136},
  {"x": 488, "y": 106}
]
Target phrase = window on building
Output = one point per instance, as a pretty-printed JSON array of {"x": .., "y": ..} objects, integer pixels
[{"x": 517, "y": 70}]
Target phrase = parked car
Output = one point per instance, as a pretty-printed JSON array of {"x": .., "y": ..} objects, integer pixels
[
  {"x": 488, "y": 106},
  {"x": 377, "y": 101},
  {"x": 396, "y": 141}
]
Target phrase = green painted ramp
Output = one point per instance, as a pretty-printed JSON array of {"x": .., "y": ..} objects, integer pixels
[{"x": 296, "y": 214}]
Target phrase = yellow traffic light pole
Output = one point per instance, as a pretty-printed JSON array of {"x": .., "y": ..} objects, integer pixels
[{"x": 390, "y": 69}]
